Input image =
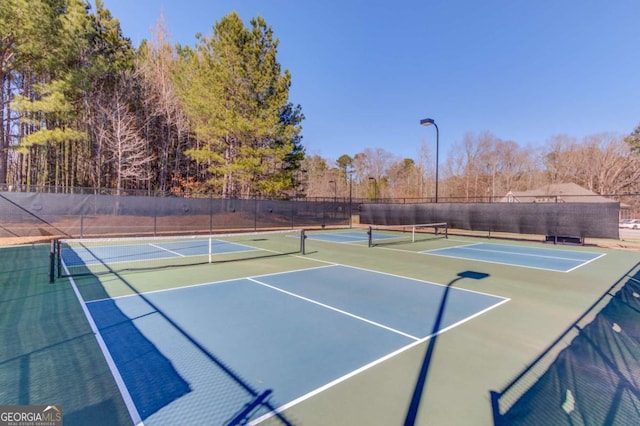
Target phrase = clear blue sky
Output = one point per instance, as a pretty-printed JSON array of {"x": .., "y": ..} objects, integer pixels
[{"x": 366, "y": 71}]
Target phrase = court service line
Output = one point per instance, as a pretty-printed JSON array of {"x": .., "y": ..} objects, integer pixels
[
  {"x": 167, "y": 250},
  {"x": 340, "y": 311}
]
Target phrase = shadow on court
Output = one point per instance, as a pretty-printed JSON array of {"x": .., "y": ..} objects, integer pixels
[
  {"x": 588, "y": 375},
  {"x": 151, "y": 378},
  {"x": 414, "y": 406},
  {"x": 48, "y": 354}
]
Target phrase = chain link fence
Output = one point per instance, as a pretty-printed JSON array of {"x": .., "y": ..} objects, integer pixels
[{"x": 46, "y": 212}]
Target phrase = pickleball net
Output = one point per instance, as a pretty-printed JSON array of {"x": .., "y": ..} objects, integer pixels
[
  {"x": 95, "y": 256},
  {"x": 402, "y": 234}
]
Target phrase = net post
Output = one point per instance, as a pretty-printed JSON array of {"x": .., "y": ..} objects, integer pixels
[
  {"x": 413, "y": 234},
  {"x": 52, "y": 262},
  {"x": 446, "y": 230},
  {"x": 303, "y": 244},
  {"x": 210, "y": 251},
  {"x": 59, "y": 257},
  {"x": 370, "y": 235}
]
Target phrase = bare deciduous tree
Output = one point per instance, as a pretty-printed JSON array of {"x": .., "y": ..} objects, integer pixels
[
  {"x": 607, "y": 165},
  {"x": 167, "y": 124},
  {"x": 126, "y": 152}
]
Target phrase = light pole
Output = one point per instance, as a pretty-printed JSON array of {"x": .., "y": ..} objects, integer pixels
[
  {"x": 431, "y": 122},
  {"x": 350, "y": 198},
  {"x": 375, "y": 188}
]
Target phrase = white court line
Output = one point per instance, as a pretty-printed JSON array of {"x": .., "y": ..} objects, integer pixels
[
  {"x": 516, "y": 254},
  {"x": 187, "y": 286},
  {"x": 167, "y": 250},
  {"x": 417, "y": 340},
  {"x": 248, "y": 248},
  {"x": 372, "y": 364},
  {"x": 418, "y": 280},
  {"x": 442, "y": 252},
  {"x": 496, "y": 263},
  {"x": 587, "y": 262},
  {"x": 340, "y": 311},
  {"x": 124, "y": 392}
]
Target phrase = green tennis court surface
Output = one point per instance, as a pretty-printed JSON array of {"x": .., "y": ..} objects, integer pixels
[
  {"x": 222, "y": 318},
  {"x": 345, "y": 334}
]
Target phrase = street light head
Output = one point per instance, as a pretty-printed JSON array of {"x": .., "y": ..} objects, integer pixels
[{"x": 431, "y": 122}]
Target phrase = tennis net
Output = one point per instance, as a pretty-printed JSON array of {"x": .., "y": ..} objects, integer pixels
[
  {"x": 76, "y": 257},
  {"x": 402, "y": 234}
]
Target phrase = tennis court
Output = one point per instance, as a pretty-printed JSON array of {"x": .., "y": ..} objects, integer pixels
[
  {"x": 137, "y": 252},
  {"x": 376, "y": 235},
  {"x": 396, "y": 314},
  {"x": 257, "y": 329},
  {"x": 529, "y": 257},
  {"x": 107, "y": 255}
]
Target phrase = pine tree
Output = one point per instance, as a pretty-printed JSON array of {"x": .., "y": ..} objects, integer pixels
[
  {"x": 236, "y": 97},
  {"x": 26, "y": 28},
  {"x": 633, "y": 140}
]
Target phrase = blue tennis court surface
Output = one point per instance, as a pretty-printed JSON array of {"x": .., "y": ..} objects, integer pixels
[
  {"x": 530, "y": 257},
  {"x": 135, "y": 252},
  {"x": 295, "y": 333}
]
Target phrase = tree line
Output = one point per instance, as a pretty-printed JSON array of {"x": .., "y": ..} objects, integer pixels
[
  {"x": 482, "y": 168},
  {"x": 82, "y": 107}
]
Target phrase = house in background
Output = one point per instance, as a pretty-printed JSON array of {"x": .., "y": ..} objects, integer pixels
[
  {"x": 562, "y": 193},
  {"x": 556, "y": 193}
]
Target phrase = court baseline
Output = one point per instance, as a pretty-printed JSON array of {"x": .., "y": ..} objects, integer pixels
[{"x": 524, "y": 256}]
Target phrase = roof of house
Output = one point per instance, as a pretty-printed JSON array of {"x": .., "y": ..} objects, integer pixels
[{"x": 557, "y": 192}]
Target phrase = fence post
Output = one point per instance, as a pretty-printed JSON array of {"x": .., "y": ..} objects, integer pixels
[
  {"x": 210, "y": 214},
  {"x": 155, "y": 216},
  {"x": 291, "y": 206},
  {"x": 52, "y": 262},
  {"x": 59, "y": 258},
  {"x": 255, "y": 212}
]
